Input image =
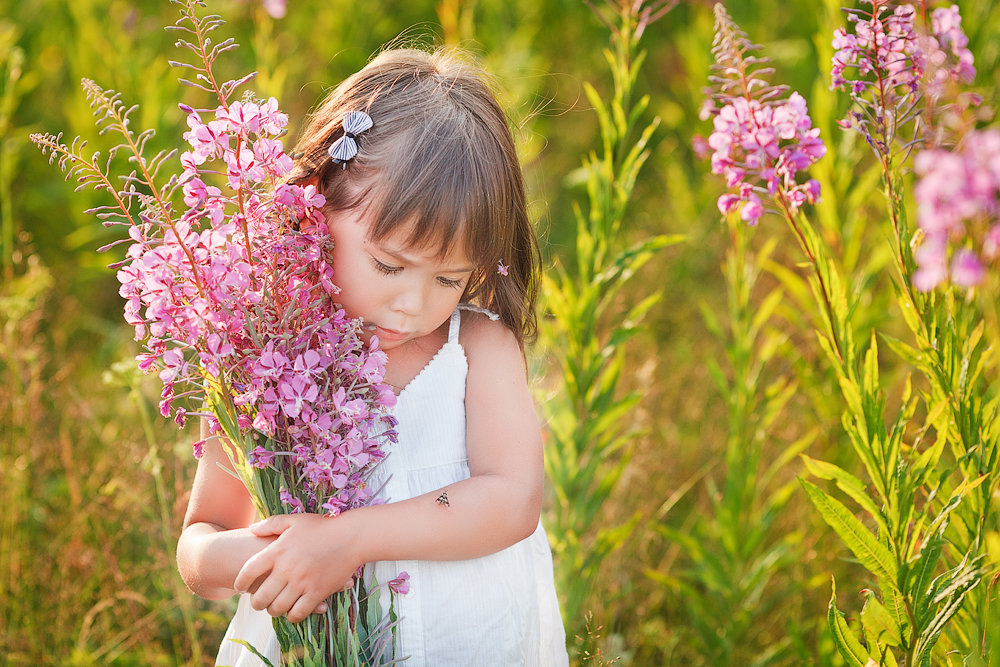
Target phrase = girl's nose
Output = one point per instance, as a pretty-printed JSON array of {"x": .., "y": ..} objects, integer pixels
[{"x": 408, "y": 301}]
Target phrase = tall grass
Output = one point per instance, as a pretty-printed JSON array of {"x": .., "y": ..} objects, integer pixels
[
  {"x": 585, "y": 328},
  {"x": 90, "y": 495}
]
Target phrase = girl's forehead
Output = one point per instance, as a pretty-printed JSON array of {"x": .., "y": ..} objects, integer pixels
[{"x": 404, "y": 240}]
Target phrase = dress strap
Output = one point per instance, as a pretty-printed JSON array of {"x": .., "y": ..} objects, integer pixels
[
  {"x": 456, "y": 320},
  {"x": 476, "y": 309}
]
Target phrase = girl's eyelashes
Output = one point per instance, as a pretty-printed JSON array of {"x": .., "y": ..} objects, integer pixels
[
  {"x": 448, "y": 282},
  {"x": 389, "y": 270},
  {"x": 386, "y": 268}
]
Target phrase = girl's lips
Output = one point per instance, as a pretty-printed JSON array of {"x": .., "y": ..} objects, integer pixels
[{"x": 390, "y": 334}]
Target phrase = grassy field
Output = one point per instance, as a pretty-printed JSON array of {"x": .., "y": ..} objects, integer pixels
[{"x": 708, "y": 551}]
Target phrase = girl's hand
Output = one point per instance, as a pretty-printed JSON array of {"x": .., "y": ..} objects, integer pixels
[{"x": 311, "y": 559}]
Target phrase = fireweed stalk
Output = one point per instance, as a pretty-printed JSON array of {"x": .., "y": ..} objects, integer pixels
[
  {"x": 236, "y": 308},
  {"x": 761, "y": 143},
  {"x": 954, "y": 244},
  {"x": 902, "y": 78},
  {"x": 590, "y": 444},
  {"x": 907, "y": 499}
]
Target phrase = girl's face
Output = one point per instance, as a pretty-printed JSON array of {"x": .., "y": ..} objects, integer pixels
[{"x": 403, "y": 292}]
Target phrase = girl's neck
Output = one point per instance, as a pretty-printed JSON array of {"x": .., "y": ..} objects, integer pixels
[{"x": 406, "y": 361}]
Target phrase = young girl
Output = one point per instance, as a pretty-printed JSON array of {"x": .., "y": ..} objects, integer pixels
[{"x": 426, "y": 207}]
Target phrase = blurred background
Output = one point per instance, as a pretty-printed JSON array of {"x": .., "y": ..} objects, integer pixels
[{"x": 93, "y": 482}]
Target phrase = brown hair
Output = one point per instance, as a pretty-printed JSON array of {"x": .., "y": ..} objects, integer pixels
[{"x": 440, "y": 154}]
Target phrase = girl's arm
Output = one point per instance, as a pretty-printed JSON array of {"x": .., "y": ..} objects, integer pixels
[
  {"x": 215, "y": 541},
  {"x": 496, "y": 507}
]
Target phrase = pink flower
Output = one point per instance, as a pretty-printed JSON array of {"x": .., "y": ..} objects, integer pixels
[
  {"x": 958, "y": 199},
  {"x": 261, "y": 458},
  {"x": 295, "y": 505},
  {"x": 752, "y": 210},
  {"x": 241, "y": 119},
  {"x": 760, "y": 144},
  {"x": 966, "y": 270},
  {"x": 728, "y": 203},
  {"x": 271, "y": 364},
  {"x": 889, "y": 59},
  {"x": 270, "y": 154},
  {"x": 272, "y": 121},
  {"x": 295, "y": 393},
  {"x": 207, "y": 141},
  {"x": 401, "y": 584}
]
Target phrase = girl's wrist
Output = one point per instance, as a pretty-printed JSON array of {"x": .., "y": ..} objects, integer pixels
[
  {"x": 349, "y": 529},
  {"x": 358, "y": 534}
]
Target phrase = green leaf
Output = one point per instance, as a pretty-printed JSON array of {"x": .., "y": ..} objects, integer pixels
[
  {"x": 869, "y": 551},
  {"x": 847, "y": 483},
  {"x": 880, "y": 623},
  {"x": 245, "y": 644},
  {"x": 847, "y": 642}
]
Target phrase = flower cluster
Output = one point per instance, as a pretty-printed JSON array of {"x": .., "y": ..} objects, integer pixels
[
  {"x": 890, "y": 60},
  {"x": 958, "y": 200},
  {"x": 883, "y": 47},
  {"x": 756, "y": 143},
  {"x": 947, "y": 53},
  {"x": 231, "y": 297},
  {"x": 227, "y": 284},
  {"x": 760, "y": 140}
]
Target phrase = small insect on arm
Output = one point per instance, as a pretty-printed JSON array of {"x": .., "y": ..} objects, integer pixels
[{"x": 443, "y": 499}]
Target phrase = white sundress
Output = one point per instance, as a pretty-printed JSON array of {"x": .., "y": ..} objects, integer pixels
[{"x": 499, "y": 609}]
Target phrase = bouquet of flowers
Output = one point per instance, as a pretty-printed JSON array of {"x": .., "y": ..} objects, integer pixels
[{"x": 235, "y": 306}]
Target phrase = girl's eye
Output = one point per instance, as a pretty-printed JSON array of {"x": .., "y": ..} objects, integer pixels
[
  {"x": 447, "y": 282},
  {"x": 385, "y": 268}
]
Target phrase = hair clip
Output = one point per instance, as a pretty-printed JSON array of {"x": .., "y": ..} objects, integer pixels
[
  {"x": 346, "y": 147},
  {"x": 502, "y": 268}
]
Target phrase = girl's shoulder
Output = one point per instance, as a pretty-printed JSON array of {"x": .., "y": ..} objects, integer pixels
[{"x": 484, "y": 339}]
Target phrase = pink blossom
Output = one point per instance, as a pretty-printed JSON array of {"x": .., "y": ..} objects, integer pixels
[
  {"x": 241, "y": 119},
  {"x": 295, "y": 393},
  {"x": 958, "y": 202},
  {"x": 272, "y": 121},
  {"x": 271, "y": 364},
  {"x": 890, "y": 58},
  {"x": 261, "y": 458},
  {"x": 946, "y": 23},
  {"x": 227, "y": 302},
  {"x": 966, "y": 269},
  {"x": 401, "y": 584},
  {"x": 295, "y": 505},
  {"x": 270, "y": 154},
  {"x": 207, "y": 141},
  {"x": 760, "y": 148}
]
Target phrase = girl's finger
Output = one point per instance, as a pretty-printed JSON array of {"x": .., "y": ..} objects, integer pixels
[
  {"x": 266, "y": 593},
  {"x": 300, "y": 610},
  {"x": 256, "y": 567},
  {"x": 283, "y": 603},
  {"x": 273, "y": 525}
]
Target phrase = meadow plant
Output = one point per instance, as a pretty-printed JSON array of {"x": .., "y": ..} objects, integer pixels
[
  {"x": 589, "y": 430},
  {"x": 735, "y": 554},
  {"x": 923, "y": 565},
  {"x": 235, "y": 306},
  {"x": 762, "y": 143}
]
